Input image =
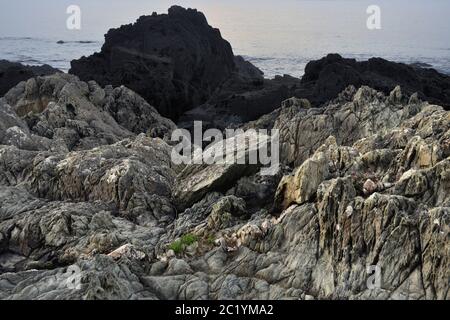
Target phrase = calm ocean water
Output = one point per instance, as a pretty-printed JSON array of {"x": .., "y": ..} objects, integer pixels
[{"x": 279, "y": 37}]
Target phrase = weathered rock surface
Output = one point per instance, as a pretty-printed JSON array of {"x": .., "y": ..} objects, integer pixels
[
  {"x": 355, "y": 114},
  {"x": 78, "y": 183},
  {"x": 370, "y": 191},
  {"x": 75, "y": 169},
  {"x": 60, "y": 112},
  {"x": 134, "y": 175},
  {"x": 11, "y": 73},
  {"x": 213, "y": 170},
  {"x": 328, "y": 231}
]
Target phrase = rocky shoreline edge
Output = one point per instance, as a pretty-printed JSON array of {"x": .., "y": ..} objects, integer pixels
[{"x": 93, "y": 207}]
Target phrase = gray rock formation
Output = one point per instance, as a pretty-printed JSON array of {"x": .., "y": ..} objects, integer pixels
[
  {"x": 11, "y": 73},
  {"x": 93, "y": 207},
  {"x": 203, "y": 175},
  {"x": 328, "y": 231},
  {"x": 60, "y": 112},
  {"x": 355, "y": 114}
]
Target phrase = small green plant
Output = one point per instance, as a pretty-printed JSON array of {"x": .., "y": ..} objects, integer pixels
[
  {"x": 179, "y": 245},
  {"x": 189, "y": 239},
  {"x": 176, "y": 246}
]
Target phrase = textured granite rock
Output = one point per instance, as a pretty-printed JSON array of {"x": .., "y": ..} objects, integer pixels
[{"x": 60, "y": 112}]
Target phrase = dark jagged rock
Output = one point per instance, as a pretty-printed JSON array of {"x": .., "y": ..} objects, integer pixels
[
  {"x": 183, "y": 67},
  {"x": 324, "y": 79},
  {"x": 248, "y": 70},
  {"x": 239, "y": 101},
  {"x": 11, "y": 73},
  {"x": 175, "y": 60}
]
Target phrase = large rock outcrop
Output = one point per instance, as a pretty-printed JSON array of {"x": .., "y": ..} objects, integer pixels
[
  {"x": 83, "y": 171},
  {"x": 324, "y": 79},
  {"x": 368, "y": 195},
  {"x": 219, "y": 167},
  {"x": 379, "y": 202},
  {"x": 175, "y": 60},
  {"x": 60, "y": 112}
]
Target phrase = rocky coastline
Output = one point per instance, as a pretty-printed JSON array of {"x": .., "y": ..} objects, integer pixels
[{"x": 88, "y": 183}]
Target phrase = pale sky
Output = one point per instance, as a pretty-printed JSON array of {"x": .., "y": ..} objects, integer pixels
[
  {"x": 47, "y": 17},
  {"x": 280, "y": 36}
]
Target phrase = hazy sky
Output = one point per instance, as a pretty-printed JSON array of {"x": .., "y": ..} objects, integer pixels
[
  {"x": 47, "y": 17},
  {"x": 290, "y": 31}
]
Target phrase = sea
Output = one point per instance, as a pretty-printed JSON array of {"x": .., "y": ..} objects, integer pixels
[{"x": 280, "y": 37}]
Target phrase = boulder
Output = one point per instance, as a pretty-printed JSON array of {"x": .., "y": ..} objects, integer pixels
[
  {"x": 213, "y": 170},
  {"x": 11, "y": 73}
]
